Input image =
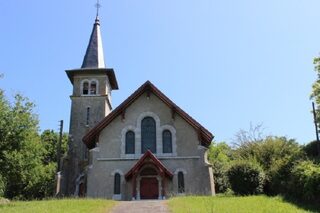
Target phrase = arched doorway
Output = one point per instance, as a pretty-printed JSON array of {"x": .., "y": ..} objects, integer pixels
[
  {"x": 149, "y": 184},
  {"x": 148, "y": 177}
]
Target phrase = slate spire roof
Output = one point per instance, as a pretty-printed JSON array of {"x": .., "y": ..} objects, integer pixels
[{"x": 94, "y": 57}]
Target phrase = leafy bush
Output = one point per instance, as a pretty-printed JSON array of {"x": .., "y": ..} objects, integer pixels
[
  {"x": 246, "y": 178},
  {"x": 221, "y": 182},
  {"x": 305, "y": 181},
  {"x": 276, "y": 155},
  {"x": 220, "y": 157}
]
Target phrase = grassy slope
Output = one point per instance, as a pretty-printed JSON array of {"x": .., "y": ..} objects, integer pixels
[
  {"x": 231, "y": 204},
  {"x": 65, "y": 205}
]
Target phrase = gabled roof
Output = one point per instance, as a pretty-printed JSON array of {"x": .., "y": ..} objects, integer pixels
[
  {"x": 153, "y": 160},
  {"x": 205, "y": 137},
  {"x": 94, "y": 57}
]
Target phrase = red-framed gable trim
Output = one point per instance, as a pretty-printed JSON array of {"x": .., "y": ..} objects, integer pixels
[
  {"x": 205, "y": 137},
  {"x": 141, "y": 162}
]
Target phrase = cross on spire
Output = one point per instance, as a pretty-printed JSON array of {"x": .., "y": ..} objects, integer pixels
[{"x": 98, "y": 6}]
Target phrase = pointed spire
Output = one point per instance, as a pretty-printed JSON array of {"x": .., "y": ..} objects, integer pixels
[{"x": 94, "y": 57}]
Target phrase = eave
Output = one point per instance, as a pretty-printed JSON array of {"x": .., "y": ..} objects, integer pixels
[{"x": 95, "y": 71}]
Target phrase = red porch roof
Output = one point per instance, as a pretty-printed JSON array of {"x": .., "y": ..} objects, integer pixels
[{"x": 143, "y": 160}]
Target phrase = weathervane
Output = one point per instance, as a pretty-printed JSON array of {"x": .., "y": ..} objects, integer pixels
[{"x": 98, "y": 6}]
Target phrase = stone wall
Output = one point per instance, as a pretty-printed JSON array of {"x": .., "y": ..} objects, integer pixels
[{"x": 187, "y": 155}]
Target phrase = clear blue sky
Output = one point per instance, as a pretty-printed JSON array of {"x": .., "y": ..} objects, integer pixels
[{"x": 227, "y": 63}]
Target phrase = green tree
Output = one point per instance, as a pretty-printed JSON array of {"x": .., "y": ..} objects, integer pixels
[
  {"x": 276, "y": 155},
  {"x": 50, "y": 140},
  {"x": 315, "y": 94},
  {"x": 220, "y": 156},
  {"x": 21, "y": 152}
]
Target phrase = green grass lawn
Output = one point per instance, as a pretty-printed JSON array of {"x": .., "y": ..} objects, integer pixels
[
  {"x": 227, "y": 204},
  {"x": 65, "y": 205}
]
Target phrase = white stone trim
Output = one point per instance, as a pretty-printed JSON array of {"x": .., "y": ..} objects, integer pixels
[
  {"x": 89, "y": 85},
  {"x": 177, "y": 180},
  {"x": 180, "y": 170},
  {"x": 113, "y": 173},
  {"x": 160, "y": 158},
  {"x": 123, "y": 142},
  {"x": 95, "y": 149},
  {"x": 137, "y": 131},
  {"x": 117, "y": 197},
  {"x": 173, "y": 140},
  {"x": 138, "y": 180},
  {"x": 158, "y": 133},
  {"x": 97, "y": 86}
]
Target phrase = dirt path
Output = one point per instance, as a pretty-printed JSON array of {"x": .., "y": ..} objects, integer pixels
[{"x": 144, "y": 206}]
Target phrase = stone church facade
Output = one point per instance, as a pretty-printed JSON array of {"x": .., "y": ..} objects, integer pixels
[{"x": 146, "y": 148}]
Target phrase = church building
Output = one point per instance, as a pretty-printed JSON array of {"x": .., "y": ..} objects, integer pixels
[{"x": 146, "y": 148}]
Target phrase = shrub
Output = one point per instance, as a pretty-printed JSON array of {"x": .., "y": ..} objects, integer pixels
[
  {"x": 246, "y": 178},
  {"x": 220, "y": 156},
  {"x": 221, "y": 182},
  {"x": 305, "y": 181}
]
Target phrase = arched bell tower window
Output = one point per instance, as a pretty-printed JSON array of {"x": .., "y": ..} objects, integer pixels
[
  {"x": 85, "y": 88},
  {"x": 130, "y": 142},
  {"x": 166, "y": 141},
  {"x": 181, "y": 182},
  {"x": 93, "y": 88},
  {"x": 89, "y": 87},
  {"x": 117, "y": 189},
  {"x": 148, "y": 135}
]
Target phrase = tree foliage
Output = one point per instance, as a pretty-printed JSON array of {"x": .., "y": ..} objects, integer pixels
[
  {"x": 50, "y": 139},
  {"x": 27, "y": 166},
  {"x": 220, "y": 156},
  {"x": 305, "y": 181},
  {"x": 315, "y": 94},
  {"x": 246, "y": 178}
]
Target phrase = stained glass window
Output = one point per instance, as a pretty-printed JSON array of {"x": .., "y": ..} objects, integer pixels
[
  {"x": 148, "y": 135},
  {"x": 130, "y": 142},
  {"x": 166, "y": 141}
]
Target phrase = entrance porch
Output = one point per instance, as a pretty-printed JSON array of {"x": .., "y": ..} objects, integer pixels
[{"x": 149, "y": 178}]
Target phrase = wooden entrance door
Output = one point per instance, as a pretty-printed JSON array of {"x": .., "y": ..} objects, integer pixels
[{"x": 149, "y": 188}]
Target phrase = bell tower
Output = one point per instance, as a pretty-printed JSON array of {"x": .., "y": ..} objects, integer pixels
[{"x": 90, "y": 103}]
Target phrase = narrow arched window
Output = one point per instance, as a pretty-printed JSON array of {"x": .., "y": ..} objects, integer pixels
[
  {"x": 148, "y": 135},
  {"x": 130, "y": 142},
  {"x": 166, "y": 141},
  {"x": 117, "y": 178},
  {"x": 180, "y": 182},
  {"x": 85, "y": 88},
  {"x": 88, "y": 116},
  {"x": 93, "y": 88}
]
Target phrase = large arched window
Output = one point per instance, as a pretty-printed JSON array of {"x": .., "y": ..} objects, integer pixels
[
  {"x": 166, "y": 141},
  {"x": 85, "y": 88},
  {"x": 117, "y": 184},
  {"x": 180, "y": 182},
  {"x": 148, "y": 135},
  {"x": 130, "y": 142}
]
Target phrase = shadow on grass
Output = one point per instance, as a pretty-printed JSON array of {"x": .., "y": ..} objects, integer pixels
[{"x": 308, "y": 206}]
